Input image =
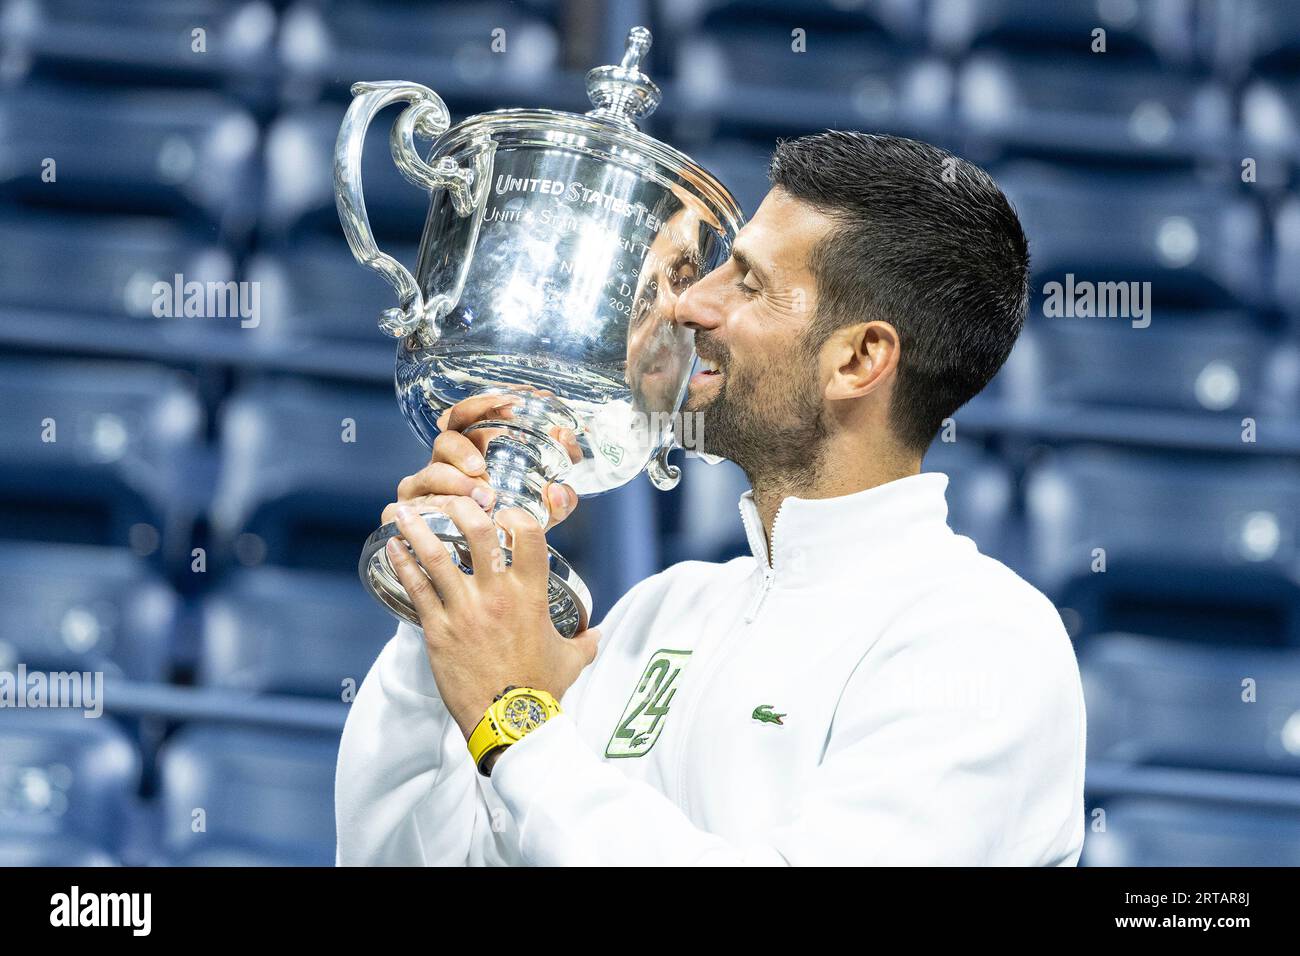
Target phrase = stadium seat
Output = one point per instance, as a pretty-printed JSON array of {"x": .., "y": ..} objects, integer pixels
[
  {"x": 1165, "y": 544},
  {"x": 1260, "y": 36},
  {"x": 236, "y": 796},
  {"x": 314, "y": 289},
  {"x": 97, "y": 453},
  {"x": 118, "y": 262},
  {"x": 1270, "y": 119},
  {"x": 1152, "y": 31},
  {"x": 284, "y": 631},
  {"x": 1101, "y": 108},
  {"x": 1169, "y": 703},
  {"x": 292, "y": 490},
  {"x": 326, "y": 46},
  {"x": 1286, "y": 277},
  {"x": 1172, "y": 832},
  {"x": 747, "y": 80},
  {"x": 299, "y": 197},
  {"x": 980, "y": 494},
  {"x": 144, "y": 41},
  {"x": 178, "y": 154},
  {"x": 67, "y": 786},
  {"x": 81, "y": 608},
  {"x": 1195, "y": 363},
  {"x": 52, "y": 852},
  {"x": 1197, "y": 246}
]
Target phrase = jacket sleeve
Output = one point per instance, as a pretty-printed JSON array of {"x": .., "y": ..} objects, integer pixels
[
  {"x": 981, "y": 766},
  {"x": 406, "y": 791}
]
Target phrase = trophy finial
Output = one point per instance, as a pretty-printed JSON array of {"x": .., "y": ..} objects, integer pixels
[{"x": 623, "y": 93}]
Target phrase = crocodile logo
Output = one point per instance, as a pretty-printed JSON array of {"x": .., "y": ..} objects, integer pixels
[
  {"x": 763, "y": 714},
  {"x": 639, "y": 741}
]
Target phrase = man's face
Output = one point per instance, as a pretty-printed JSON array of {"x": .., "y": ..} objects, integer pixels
[{"x": 762, "y": 407}]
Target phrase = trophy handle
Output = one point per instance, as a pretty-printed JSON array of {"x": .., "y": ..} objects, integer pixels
[{"x": 428, "y": 116}]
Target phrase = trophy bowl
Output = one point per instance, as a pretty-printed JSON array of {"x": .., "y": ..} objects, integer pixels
[{"x": 554, "y": 250}]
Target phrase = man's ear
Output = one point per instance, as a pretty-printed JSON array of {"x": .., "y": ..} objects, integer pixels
[{"x": 860, "y": 359}]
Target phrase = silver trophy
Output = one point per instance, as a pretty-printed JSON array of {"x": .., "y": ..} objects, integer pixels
[{"x": 554, "y": 249}]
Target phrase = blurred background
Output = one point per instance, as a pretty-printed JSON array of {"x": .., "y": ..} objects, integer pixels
[{"x": 193, "y": 531}]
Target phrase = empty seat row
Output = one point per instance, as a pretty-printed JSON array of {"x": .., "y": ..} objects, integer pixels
[{"x": 70, "y": 795}]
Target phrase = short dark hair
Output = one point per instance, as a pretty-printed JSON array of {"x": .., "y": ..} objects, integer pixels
[{"x": 924, "y": 241}]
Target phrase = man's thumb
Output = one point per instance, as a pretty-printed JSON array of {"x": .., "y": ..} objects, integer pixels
[{"x": 587, "y": 641}]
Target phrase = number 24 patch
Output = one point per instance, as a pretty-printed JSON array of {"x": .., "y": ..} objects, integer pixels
[{"x": 643, "y": 718}]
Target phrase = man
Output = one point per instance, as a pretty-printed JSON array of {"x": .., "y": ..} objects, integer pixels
[{"x": 866, "y": 688}]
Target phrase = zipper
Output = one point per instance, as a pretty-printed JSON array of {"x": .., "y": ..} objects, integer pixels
[{"x": 759, "y": 546}]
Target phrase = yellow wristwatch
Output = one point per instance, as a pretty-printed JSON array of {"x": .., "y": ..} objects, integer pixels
[{"x": 513, "y": 714}]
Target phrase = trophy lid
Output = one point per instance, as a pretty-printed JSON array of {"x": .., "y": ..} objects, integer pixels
[{"x": 621, "y": 95}]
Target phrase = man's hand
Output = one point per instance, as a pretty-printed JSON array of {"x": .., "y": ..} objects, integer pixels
[
  {"x": 490, "y": 629},
  {"x": 457, "y": 466}
]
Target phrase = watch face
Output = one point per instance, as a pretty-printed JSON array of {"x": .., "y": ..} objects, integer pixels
[{"x": 523, "y": 714}]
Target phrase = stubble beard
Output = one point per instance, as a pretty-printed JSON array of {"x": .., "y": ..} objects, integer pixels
[{"x": 774, "y": 433}]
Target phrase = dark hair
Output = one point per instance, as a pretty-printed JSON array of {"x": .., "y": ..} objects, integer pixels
[{"x": 926, "y": 242}]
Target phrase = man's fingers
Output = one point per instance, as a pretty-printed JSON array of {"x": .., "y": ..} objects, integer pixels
[
  {"x": 567, "y": 438},
  {"x": 417, "y": 584},
  {"x": 528, "y": 553},
  {"x": 441, "y": 478},
  {"x": 460, "y": 452},
  {"x": 421, "y": 503},
  {"x": 480, "y": 534},
  {"x": 429, "y": 549},
  {"x": 470, "y": 410},
  {"x": 561, "y": 499}
]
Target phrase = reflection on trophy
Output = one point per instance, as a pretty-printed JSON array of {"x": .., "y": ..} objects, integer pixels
[{"x": 554, "y": 249}]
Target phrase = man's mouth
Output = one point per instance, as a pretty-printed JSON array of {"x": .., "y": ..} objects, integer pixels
[{"x": 709, "y": 372}]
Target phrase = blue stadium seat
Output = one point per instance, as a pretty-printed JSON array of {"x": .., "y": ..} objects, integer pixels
[
  {"x": 180, "y": 154},
  {"x": 1101, "y": 108},
  {"x": 747, "y": 80},
  {"x": 1169, "y": 703},
  {"x": 79, "y": 608},
  {"x": 1152, "y": 31},
  {"x": 67, "y": 786},
  {"x": 234, "y": 796},
  {"x": 1196, "y": 363},
  {"x": 1286, "y": 277},
  {"x": 1198, "y": 246},
  {"x": 52, "y": 852},
  {"x": 980, "y": 497},
  {"x": 284, "y": 631},
  {"x": 117, "y": 262},
  {"x": 1172, "y": 832},
  {"x": 116, "y": 470},
  {"x": 292, "y": 491},
  {"x": 326, "y": 46},
  {"x": 1204, "y": 548},
  {"x": 143, "y": 41},
  {"x": 299, "y": 197},
  {"x": 1270, "y": 121},
  {"x": 314, "y": 289},
  {"x": 1261, "y": 36}
]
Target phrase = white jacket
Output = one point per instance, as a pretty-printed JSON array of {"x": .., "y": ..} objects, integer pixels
[{"x": 882, "y": 693}]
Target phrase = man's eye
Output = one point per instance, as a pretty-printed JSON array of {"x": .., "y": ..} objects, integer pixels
[{"x": 744, "y": 286}]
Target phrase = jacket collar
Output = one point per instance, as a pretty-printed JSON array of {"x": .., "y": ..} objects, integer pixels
[{"x": 819, "y": 538}]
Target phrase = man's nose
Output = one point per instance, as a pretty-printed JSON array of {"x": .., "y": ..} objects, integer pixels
[{"x": 700, "y": 307}]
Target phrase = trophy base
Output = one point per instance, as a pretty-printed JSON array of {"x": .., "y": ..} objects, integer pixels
[{"x": 567, "y": 595}]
